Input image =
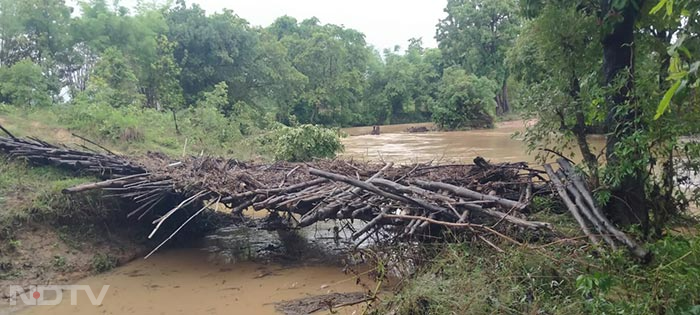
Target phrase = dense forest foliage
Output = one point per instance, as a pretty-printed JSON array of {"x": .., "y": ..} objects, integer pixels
[{"x": 169, "y": 57}]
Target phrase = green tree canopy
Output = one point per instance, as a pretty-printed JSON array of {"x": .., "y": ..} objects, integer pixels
[
  {"x": 24, "y": 85},
  {"x": 465, "y": 101},
  {"x": 476, "y": 34}
]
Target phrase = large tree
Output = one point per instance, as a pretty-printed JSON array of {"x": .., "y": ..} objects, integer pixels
[
  {"x": 411, "y": 81},
  {"x": 619, "y": 19},
  {"x": 611, "y": 71},
  {"x": 211, "y": 49},
  {"x": 476, "y": 35},
  {"x": 334, "y": 59}
]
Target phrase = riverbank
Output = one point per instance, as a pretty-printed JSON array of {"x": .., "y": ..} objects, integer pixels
[{"x": 48, "y": 238}]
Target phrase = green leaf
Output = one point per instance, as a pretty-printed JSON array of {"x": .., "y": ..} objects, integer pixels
[
  {"x": 677, "y": 76},
  {"x": 685, "y": 50},
  {"x": 666, "y": 101},
  {"x": 658, "y": 7}
]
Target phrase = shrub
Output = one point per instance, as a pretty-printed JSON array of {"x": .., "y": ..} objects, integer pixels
[
  {"x": 103, "y": 262},
  {"x": 208, "y": 125},
  {"x": 302, "y": 143},
  {"x": 4, "y": 108}
]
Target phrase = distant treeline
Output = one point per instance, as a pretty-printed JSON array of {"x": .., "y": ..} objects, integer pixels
[{"x": 167, "y": 57}]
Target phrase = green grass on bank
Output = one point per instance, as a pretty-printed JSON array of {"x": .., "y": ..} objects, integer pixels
[
  {"x": 468, "y": 278},
  {"x": 200, "y": 131},
  {"x": 34, "y": 193},
  {"x": 472, "y": 278},
  {"x": 130, "y": 130}
]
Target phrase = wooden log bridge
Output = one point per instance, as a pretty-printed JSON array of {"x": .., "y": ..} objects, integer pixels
[{"x": 417, "y": 201}]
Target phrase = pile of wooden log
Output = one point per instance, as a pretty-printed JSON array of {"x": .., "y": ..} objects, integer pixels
[
  {"x": 410, "y": 199},
  {"x": 88, "y": 161},
  {"x": 416, "y": 201}
]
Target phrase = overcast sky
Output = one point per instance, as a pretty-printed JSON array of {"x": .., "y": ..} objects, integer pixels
[{"x": 385, "y": 23}]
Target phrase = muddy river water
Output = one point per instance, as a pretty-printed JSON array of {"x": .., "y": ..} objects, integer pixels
[
  {"x": 500, "y": 144},
  {"x": 216, "y": 278}
]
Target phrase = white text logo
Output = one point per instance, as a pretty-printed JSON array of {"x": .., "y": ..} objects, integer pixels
[{"x": 37, "y": 294}]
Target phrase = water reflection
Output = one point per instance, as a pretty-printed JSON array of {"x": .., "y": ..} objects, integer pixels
[{"x": 325, "y": 242}]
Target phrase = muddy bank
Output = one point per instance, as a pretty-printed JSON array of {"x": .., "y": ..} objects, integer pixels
[
  {"x": 61, "y": 247},
  {"x": 44, "y": 254}
]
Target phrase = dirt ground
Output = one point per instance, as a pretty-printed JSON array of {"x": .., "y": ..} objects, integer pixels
[{"x": 40, "y": 254}]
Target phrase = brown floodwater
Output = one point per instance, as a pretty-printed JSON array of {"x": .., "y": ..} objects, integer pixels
[
  {"x": 395, "y": 144},
  {"x": 185, "y": 282},
  {"x": 217, "y": 278}
]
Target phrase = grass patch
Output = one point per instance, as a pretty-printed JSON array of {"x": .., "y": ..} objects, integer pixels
[
  {"x": 129, "y": 130},
  {"x": 103, "y": 262},
  {"x": 34, "y": 193},
  {"x": 468, "y": 278},
  {"x": 58, "y": 262}
]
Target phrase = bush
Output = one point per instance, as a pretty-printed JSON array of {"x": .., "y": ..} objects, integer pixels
[
  {"x": 123, "y": 123},
  {"x": 207, "y": 125},
  {"x": 302, "y": 143},
  {"x": 103, "y": 262}
]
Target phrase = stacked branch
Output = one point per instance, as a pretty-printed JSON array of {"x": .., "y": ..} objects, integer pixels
[
  {"x": 408, "y": 201},
  {"x": 578, "y": 199},
  {"x": 382, "y": 195},
  {"x": 39, "y": 152}
]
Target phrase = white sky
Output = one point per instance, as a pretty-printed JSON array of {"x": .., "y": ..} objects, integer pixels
[{"x": 385, "y": 23}]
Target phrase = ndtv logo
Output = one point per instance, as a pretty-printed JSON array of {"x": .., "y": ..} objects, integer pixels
[{"x": 37, "y": 294}]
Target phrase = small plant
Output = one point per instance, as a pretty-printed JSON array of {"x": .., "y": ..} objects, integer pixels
[
  {"x": 540, "y": 203},
  {"x": 103, "y": 262},
  {"x": 14, "y": 244},
  {"x": 10, "y": 275},
  {"x": 6, "y": 265},
  {"x": 4, "y": 108},
  {"x": 58, "y": 262}
]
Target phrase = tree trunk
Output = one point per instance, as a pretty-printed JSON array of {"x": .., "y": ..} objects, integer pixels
[
  {"x": 502, "y": 105},
  {"x": 580, "y": 131},
  {"x": 177, "y": 128},
  {"x": 628, "y": 204}
]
